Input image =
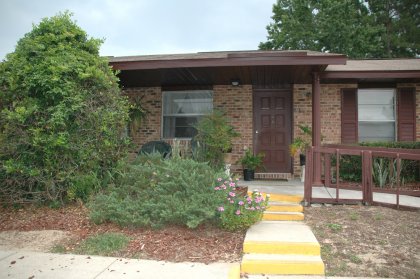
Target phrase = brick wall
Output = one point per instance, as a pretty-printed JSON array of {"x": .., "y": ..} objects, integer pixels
[
  {"x": 236, "y": 102},
  {"x": 330, "y": 113},
  {"x": 150, "y": 127}
]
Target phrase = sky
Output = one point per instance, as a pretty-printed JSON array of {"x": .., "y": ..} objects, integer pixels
[{"x": 140, "y": 27}]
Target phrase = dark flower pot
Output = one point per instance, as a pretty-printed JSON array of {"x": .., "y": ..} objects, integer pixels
[
  {"x": 248, "y": 174},
  {"x": 302, "y": 159}
]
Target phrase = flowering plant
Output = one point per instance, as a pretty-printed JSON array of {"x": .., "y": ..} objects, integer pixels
[{"x": 238, "y": 212}]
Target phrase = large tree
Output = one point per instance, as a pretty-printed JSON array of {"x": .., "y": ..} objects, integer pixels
[
  {"x": 359, "y": 29},
  {"x": 61, "y": 115}
]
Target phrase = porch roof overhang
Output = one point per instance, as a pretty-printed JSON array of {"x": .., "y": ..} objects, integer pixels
[
  {"x": 374, "y": 70},
  {"x": 259, "y": 68},
  {"x": 227, "y": 59}
]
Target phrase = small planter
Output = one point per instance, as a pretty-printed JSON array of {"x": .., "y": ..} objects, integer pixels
[
  {"x": 248, "y": 174},
  {"x": 302, "y": 159}
]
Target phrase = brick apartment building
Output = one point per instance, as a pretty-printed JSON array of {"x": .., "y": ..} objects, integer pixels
[{"x": 268, "y": 94}]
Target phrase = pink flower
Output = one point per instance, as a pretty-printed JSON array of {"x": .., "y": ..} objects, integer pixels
[
  {"x": 257, "y": 208},
  {"x": 217, "y": 188},
  {"x": 232, "y": 201},
  {"x": 238, "y": 212},
  {"x": 252, "y": 208},
  {"x": 232, "y": 194},
  {"x": 228, "y": 199},
  {"x": 220, "y": 209},
  {"x": 232, "y": 184},
  {"x": 226, "y": 182},
  {"x": 223, "y": 187},
  {"x": 241, "y": 203},
  {"x": 219, "y": 179}
]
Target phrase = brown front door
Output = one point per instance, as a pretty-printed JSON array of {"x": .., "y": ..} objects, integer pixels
[{"x": 273, "y": 128}]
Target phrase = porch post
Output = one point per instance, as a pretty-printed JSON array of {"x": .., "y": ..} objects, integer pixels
[{"x": 316, "y": 126}]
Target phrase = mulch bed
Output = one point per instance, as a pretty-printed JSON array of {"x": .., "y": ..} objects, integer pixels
[
  {"x": 205, "y": 244},
  {"x": 367, "y": 241}
]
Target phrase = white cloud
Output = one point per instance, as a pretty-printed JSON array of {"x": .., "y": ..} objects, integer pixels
[{"x": 145, "y": 27}]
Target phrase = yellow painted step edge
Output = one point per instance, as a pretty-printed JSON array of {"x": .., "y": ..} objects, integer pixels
[
  {"x": 275, "y": 267},
  {"x": 271, "y": 247},
  {"x": 285, "y": 208},
  {"x": 268, "y": 216},
  {"x": 283, "y": 197}
]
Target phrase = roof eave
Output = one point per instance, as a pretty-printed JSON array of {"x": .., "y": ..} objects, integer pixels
[
  {"x": 366, "y": 74},
  {"x": 231, "y": 61}
]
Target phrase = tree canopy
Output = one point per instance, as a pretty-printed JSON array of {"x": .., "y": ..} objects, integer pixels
[
  {"x": 61, "y": 114},
  {"x": 359, "y": 29}
]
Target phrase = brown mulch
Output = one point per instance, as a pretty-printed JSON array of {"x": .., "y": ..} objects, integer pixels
[
  {"x": 205, "y": 244},
  {"x": 362, "y": 241}
]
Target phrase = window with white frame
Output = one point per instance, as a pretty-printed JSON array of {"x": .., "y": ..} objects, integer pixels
[
  {"x": 376, "y": 113},
  {"x": 183, "y": 109}
]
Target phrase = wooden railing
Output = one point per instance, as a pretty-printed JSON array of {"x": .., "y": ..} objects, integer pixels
[{"x": 367, "y": 186}]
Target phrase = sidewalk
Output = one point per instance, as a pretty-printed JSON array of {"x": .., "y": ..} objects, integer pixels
[
  {"x": 24, "y": 264},
  {"x": 34, "y": 265},
  {"x": 295, "y": 187}
]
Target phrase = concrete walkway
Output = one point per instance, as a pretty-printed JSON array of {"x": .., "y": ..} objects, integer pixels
[
  {"x": 24, "y": 264},
  {"x": 295, "y": 187},
  {"x": 34, "y": 265}
]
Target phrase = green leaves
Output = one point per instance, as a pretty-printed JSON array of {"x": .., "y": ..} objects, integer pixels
[
  {"x": 62, "y": 115},
  {"x": 156, "y": 192},
  {"x": 359, "y": 29}
]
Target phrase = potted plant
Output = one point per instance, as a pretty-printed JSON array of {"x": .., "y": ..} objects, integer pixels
[
  {"x": 299, "y": 146},
  {"x": 216, "y": 134},
  {"x": 301, "y": 143},
  {"x": 250, "y": 163}
]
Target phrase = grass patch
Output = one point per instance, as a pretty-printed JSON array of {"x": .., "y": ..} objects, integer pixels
[
  {"x": 103, "y": 244},
  {"x": 335, "y": 227},
  {"x": 326, "y": 251},
  {"x": 58, "y": 249},
  {"x": 354, "y": 216},
  {"x": 355, "y": 259},
  {"x": 378, "y": 216}
]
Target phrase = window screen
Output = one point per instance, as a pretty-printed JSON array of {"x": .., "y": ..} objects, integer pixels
[
  {"x": 376, "y": 112},
  {"x": 182, "y": 109}
]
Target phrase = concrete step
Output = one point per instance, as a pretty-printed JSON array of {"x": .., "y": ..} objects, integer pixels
[
  {"x": 284, "y": 207},
  {"x": 286, "y": 198},
  {"x": 283, "y": 197},
  {"x": 282, "y": 264},
  {"x": 282, "y": 216},
  {"x": 270, "y": 237}
]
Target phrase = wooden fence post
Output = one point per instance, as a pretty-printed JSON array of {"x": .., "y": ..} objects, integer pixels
[
  {"x": 327, "y": 157},
  {"x": 367, "y": 187},
  {"x": 308, "y": 176}
]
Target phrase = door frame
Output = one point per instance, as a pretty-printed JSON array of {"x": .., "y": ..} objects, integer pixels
[{"x": 292, "y": 128}]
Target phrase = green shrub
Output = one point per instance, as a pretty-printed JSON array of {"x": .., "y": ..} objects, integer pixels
[
  {"x": 216, "y": 134},
  {"x": 156, "y": 192},
  {"x": 62, "y": 116},
  {"x": 351, "y": 166},
  {"x": 105, "y": 244},
  {"x": 239, "y": 212}
]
